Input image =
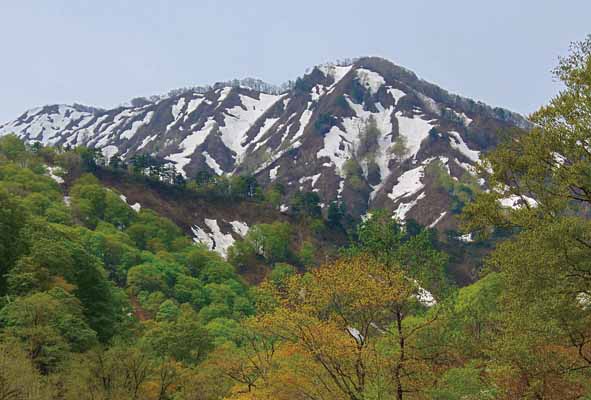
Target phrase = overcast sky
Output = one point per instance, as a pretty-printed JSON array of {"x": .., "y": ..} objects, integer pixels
[{"x": 105, "y": 52}]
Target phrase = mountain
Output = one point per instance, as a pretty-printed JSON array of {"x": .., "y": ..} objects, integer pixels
[{"x": 364, "y": 133}]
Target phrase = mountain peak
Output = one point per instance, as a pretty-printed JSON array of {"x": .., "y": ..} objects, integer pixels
[{"x": 365, "y": 132}]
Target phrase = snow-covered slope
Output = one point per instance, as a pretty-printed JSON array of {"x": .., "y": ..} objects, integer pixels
[{"x": 303, "y": 138}]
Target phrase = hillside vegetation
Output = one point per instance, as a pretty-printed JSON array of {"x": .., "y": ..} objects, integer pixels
[{"x": 100, "y": 300}]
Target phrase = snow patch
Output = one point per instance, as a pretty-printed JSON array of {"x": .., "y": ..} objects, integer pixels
[
  {"x": 54, "y": 173},
  {"x": 241, "y": 228},
  {"x": 425, "y": 297},
  {"x": 434, "y": 223},
  {"x": 415, "y": 130},
  {"x": 458, "y": 143},
  {"x": 221, "y": 241},
  {"x": 212, "y": 163},
  {"x": 135, "y": 207},
  {"x": 313, "y": 179},
  {"x": 304, "y": 120},
  {"x": 370, "y": 79},
  {"x": 335, "y": 71},
  {"x": 214, "y": 240},
  {"x": 516, "y": 202},
  {"x": 396, "y": 94},
  {"x": 135, "y": 125},
  {"x": 408, "y": 184},
  {"x": 404, "y": 208},
  {"x": 192, "y": 106},
  {"x": 239, "y": 119},
  {"x": 273, "y": 173},
  {"x": 467, "y": 238},
  {"x": 109, "y": 151},
  {"x": 190, "y": 144}
]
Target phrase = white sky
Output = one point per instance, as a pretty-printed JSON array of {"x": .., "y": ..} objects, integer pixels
[{"x": 105, "y": 52}]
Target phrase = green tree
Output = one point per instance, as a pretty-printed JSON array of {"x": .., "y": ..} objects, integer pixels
[
  {"x": 49, "y": 324},
  {"x": 543, "y": 347},
  {"x": 184, "y": 339},
  {"x": 13, "y": 219}
]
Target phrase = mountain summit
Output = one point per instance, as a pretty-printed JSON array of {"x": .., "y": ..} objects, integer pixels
[{"x": 367, "y": 134}]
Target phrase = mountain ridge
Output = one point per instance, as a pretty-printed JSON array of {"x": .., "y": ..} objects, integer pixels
[{"x": 308, "y": 138}]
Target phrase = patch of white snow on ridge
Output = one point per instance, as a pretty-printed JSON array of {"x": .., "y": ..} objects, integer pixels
[
  {"x": 177, "y": 108},
  {"x": 425, "y": 297},
  {"x": 370, "y": 79},
  {"x": 396, "y": 94},
  {"x": 408, "y": 184},
  {"x": 241, "y": 228},
  {"x": 189, "y": 144},
  {"x": 404, "y": 208},
  {"x": 317, "y": 92},
  {"x": 313, "y": 179},
  {"x": 516, "y": 202},
  {"x": 47, "y": 128},
  {"x": 434, "y": 223},
  {"x": 147, "y": 140},
  {"x": 221, "y": 241},
  {"x": 192, "y": 106},
  {"x": 202, "y": 237},
  {"x": 273, "y": 173},
  {"x": 339, "y": 144},
  {"x": 304, "y": 120},
  {"x": 223, "y": 93},
  {"x": 463, "y": 117},
  {"x": 415, "y": 130},
  {"x": 468, "y": 167},
  {"x": 52, "y": 174},
  {"x": 336, "y": 72},
  {"x": 467, "y": 238},
  {"x": 109, "y": 151},
  {"x": 239, "y": 119},
  {"x": 135, "y": 207},
  {"x": 269, "y": 122},
  {"x": 458, "y": 143},
  {"x": 135, "y": 125},
  {"x": 212, "y": 163},
  {"x": 176, "y": 112}
]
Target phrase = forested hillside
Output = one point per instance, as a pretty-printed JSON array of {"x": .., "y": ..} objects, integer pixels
[{"x": 105, "y": 296}]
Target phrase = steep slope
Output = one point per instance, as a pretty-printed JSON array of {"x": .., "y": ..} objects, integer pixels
[{"x": 364, "y": 134}]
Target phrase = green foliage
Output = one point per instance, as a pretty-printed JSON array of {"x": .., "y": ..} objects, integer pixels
[
  {"x": 13, "y": 148},
  {"x": 269, "y": 241},
  {"x": 307, "y": 254},
  {"x": 149, "y": 231},
  {"x": 463, "y": 383},
  {"x": 369, "y": 136},
  {"x": 400, "y": 147},
  {"x": 354, "y": 174},
  {"x": 335, "y": 214},
  {"x": 280, "y": 273},
  {"x": 416, "y": 252},
  {"x": 49, "y": 324},
  {"x": 13, "y": 219},
  {"x": 184, "y": 339},
  {"x": 462, "y": 191},
  {"x": 306, "y": 204}
]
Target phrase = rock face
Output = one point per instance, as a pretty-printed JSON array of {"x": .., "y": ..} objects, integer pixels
[{"x": 363, "y": 133}]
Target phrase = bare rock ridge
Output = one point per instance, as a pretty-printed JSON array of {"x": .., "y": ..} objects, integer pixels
[{"x": 365, "y": 134}]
